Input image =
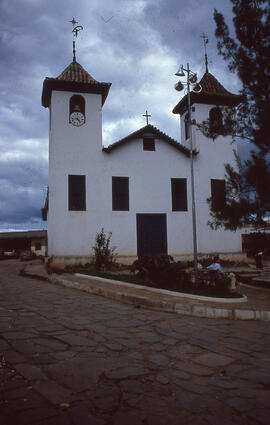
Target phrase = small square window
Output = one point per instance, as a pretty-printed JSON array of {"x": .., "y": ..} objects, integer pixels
[{"x": 149, "y": 144}]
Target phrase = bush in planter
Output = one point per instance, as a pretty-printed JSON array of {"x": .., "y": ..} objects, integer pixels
[
  {"x": 104, "y": 255},
  {"x": 162, "y": 272}
]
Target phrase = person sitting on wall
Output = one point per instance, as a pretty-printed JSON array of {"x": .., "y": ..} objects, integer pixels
[
  {"x": 227, "y": 280},
  {"x": 216, "y": 266}
]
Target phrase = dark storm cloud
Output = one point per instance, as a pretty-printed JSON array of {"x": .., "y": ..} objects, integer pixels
[
  {"x": 136, "y": 45},
  {"x": 22, "y": 191}
]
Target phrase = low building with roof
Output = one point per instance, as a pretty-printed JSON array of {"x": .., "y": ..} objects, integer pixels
[
  {"x": 12, "y": 243},
  {"x": 137, "y": 189}
]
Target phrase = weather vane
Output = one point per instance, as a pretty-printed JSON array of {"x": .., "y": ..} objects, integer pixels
[
  {"x": 205, "y": 41},
  {"x": 75, "y": 32},
  {"x": 146, "y": 115}
]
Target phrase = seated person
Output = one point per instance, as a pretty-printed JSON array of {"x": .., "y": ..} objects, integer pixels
[{"x": 216, "y": 266}]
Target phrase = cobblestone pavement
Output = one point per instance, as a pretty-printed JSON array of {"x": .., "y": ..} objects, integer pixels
[{"x": 71, "y": 358}]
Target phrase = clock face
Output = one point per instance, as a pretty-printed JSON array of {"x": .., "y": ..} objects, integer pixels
[{"x": 77, "y": 119}]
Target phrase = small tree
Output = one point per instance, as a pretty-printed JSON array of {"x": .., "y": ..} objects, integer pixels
[
  {"x": 104, "y": 255},
  {"x": 248, "y": 55}
]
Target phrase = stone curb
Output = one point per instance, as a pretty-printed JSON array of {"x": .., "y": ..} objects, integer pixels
[
  {"x": 172, "y": 307},
  {"x": 163, "y": 291}
]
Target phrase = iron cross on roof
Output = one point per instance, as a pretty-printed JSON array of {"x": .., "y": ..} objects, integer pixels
[
  {"x": 146, "y": 115},
  {"x": 205, "y": 42},
  {"x": 75, "y": 31}
]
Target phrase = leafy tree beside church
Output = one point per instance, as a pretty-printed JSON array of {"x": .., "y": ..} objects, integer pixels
[{"x": 248, "y": 55}]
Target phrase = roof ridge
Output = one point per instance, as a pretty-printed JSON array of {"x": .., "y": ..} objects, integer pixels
[
  {"x": 140, "y": 132},
  {"x": 75, "y": 72},
  {"x": 212, "y": 85}
]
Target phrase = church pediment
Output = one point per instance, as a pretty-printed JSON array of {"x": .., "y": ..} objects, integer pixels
[{"x": 148, "y": 132}]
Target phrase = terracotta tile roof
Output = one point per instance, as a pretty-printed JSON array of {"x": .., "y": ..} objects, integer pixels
[
  {"x": 75, "y": 79},
  {"x": 212, "y": 93},
  {"x": 148, "y": 130},
  {"x": 75, "y": 72},
  {"x": 211, "y": 85}
]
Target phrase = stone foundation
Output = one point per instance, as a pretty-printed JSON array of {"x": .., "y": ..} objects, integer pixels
[{"x": 60, "y": 262}]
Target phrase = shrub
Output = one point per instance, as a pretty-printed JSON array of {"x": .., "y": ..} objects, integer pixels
[
  {"x": 162, "y": 272},
  {"x": 104, "y": 255}
]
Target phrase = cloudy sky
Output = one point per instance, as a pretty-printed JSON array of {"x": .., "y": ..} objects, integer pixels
[{"x": 137, "y": 45}]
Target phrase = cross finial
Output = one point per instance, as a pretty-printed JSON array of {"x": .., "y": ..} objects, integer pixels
[
  {"x": 75, "y": 31},
  {"x": 146, "y": 115},
  {"x": 205, "y": 41}
]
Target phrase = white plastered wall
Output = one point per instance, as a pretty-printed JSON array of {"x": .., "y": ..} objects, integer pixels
[{"x": 78, "y": 150}]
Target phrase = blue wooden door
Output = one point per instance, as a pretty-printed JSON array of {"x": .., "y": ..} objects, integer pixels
[{"x": 151, "y": 235}]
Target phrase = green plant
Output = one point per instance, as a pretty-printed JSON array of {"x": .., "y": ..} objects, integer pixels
[
  {"x": 104, "y": 255},
  {"x": 162, "y": 272}
]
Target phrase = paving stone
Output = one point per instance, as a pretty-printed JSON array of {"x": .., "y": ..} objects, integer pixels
[
  {"x": 133, "y": 386},
  {"x": 260, "y": 415},
  {"x": 259, "y": 376},
  {"x": 136, "y": 356},
  {"x": 222, "y": 382},
  {"x": 4, "y": 345},
  {"x": 114, "y": 347},
  {"x": 30, "y": 372},
  {"x": 243, "y": 394},
  {"x": 192, "y": 403},
  {"x": 105, "y": 397},
  {"x": 127, "y": 372},
  {"x": 13, "y": 357},
  {"x": 131, "y": 323},
  {"x": 149, "y": 337},
  {"x": 42, "y": 359},
  {"x": 81, "y": 416},
  {"x": 60, "y": 419},
  {"x": 183, "y": 349},
  {"x": 38, "y": 345},
  {"x": 159, "y": 359},
  {"x": 19, "y": 335},
  {"x": 101, "y": 350},
  {"x": 158, "y": 347},
  {"x": 236, "y": 369},
  {"x": 78, "y": 374},
  {"x": 178, "y": 374},
  {"x": 169, "y": 341},
  {"x": 54, "y": 392},
  {"x": 37, "y": 414},
  {"x": 49, "y": 310},
  {"x": 194, "y": 388},
  {"x": 213, "y": 360},
  {"x": 125, "y": 418},
  {"x": 215, "y": 420},
  {"x": 17, "y": 393},
  {"x": 128, "y": 343},
  {"x": 162, "y": 379},
  {"x": 72, "y": 340},
  {"x": 153, "y": 419},
  {"x": 239, "y": 404},
  {"x": 192, "y": 368},
  {"x": 32, "y": 400}
]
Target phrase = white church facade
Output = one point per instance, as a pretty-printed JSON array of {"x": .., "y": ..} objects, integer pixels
[{"x": 137, "y": 188}]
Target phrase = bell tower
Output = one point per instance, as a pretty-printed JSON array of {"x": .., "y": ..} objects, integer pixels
[{"x": 75, "y": 101}]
